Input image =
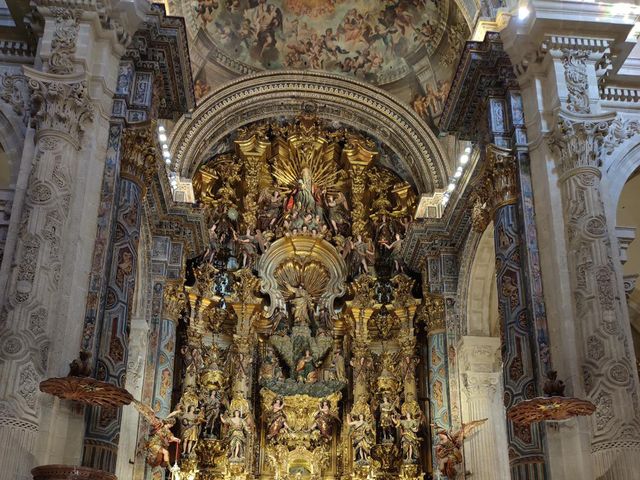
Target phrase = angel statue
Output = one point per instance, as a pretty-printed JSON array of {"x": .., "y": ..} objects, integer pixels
[
  {"x": 388, "y": 411},
  {"x": 449, "y": 447},
  {"x": 409, "y": 440},
  {"x": 361, "y": 435},
  {"x": 156, "y": 446},
  {"x": 276, "y": 419},
  {"x": 236, "y": 437},
  {"x": 325, "y": 420}
]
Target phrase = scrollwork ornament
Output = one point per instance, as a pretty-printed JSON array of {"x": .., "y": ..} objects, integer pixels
[
  {"x": 577, "y": 80},
  {"x": 63, "y": 44}
]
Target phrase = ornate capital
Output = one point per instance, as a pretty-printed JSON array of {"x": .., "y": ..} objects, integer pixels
[
  {"x": 61, "y": 108},
  {"x": 502, "y": 172},
  {"x": 175, "y": 301},
  {"x": 479, "y": 354},
  {"x": 432, "y": 312},
  {"x": 139, "y": 154},
  {"x": 480, "y": 208}
]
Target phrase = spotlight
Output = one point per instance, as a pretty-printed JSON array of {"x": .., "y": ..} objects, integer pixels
[
  {"x": 467, "y": 150},
  {"x": 161, "y": 129},
  {"x": 458, "y": 173},
  {"x": 464, "y": 159},
  {"x": 451, "y": 187},
  {"x": 167, "y": 160},
  {"x": 166, "y": 154},
  {"x": 523, "y": 12},
  {"x": 162, "y": 137}
]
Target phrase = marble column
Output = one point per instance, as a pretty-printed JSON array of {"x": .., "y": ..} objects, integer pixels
[
  {"x": 609, "y": 373},
  {"x": 139, "y": 163},
  {"x": 486, "y": 451}
]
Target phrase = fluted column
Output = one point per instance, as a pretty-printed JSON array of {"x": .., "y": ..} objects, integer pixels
[
  {"x": 609, "y": 373},
  {"x": 138, "y": 164},
  {"x": 486, "y": 451}
]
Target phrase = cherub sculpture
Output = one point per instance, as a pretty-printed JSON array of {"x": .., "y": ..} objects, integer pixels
[
  {"x": 449, "y": 448},
  {"x": 156, "y": 446}
]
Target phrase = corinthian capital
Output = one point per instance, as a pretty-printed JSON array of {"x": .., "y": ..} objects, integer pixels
[
  {"x": 175, "y": 301},
  {"x": 60, "y": 107},
  {"x": 578, "y": 144}
]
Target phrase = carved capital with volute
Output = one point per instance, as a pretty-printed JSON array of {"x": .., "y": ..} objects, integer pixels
[
  {"x": 174, "y": 301},
  {"x": 502, "y": 172}
]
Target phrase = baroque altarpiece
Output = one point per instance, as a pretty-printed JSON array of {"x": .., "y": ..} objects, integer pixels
[{"x": 298, "y": 353}]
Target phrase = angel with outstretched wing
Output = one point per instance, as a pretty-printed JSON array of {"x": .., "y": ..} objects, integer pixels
[
  {"x": 156, "y": 446},
  {"x": 449, "y": 448}
]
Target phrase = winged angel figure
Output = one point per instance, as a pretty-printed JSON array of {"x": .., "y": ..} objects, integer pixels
[
  {"x": 449, "y": 449},
  {"x": 156, "y": 446}
]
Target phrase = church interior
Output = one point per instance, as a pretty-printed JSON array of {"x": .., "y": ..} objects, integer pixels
[{"x": 319, "y": 239}]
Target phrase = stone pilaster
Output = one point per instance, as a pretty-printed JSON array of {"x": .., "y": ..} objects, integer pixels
[
  {"x": 139, "y": 163},
  {"x": 486, "y": 451},
  {"x": 609, "y": 373},
  {"x": 61, "y": 111}
]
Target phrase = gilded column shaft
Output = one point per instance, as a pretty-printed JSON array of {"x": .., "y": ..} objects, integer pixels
[{"x": 609, "y": 374}]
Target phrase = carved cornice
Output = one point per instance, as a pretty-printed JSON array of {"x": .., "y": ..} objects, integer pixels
[{"x": 288, "y": 93}]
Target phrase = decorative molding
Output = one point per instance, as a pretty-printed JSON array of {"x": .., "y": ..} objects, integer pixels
[
  {"x": 63, "y": 43},
  {"x": 577, "y": 80},
  {"x": 332, "y": 97}
]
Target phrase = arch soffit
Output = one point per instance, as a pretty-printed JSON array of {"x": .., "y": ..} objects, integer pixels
[
  {"x": 619, "y": 168},
  {"x": 477, "y": 285},
  {"x": 283, "y": 93}
]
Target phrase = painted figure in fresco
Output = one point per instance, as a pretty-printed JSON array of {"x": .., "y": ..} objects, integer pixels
[
  {"x": 325, "y": 420},
  {"x": 190, "y": 422},
  {"x": 409, "y": 440},
  {"x": 277, "y": 420},
  {"x": 236, "y": 437},
  {"x": 388, "y": 412},
  {"x": 361, "y": 434}
]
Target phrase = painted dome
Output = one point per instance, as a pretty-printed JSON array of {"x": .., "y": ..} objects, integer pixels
[{"x": 377, "y": 41}]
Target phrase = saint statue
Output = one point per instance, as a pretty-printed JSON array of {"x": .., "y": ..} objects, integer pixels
[
  {"x": 325, "y": 420},
  {"x": 236, "y": 437},
  {"x": 306, "y": 369},
  {"x": 361, "y": 434},
  {"x": 409, "y": 440},
  {"x": 388, "y": 411},
  {"x": 276, "y": 419},
  {"x": 190, "y": 422},
  {"x": 212, "y": 407},
  {"x": 302, "y": 306}
]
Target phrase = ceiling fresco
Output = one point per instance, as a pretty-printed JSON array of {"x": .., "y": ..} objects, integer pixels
[{"x": 378, "y": 42}]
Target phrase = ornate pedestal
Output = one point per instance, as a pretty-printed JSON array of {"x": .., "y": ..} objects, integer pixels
[{"x": 69, "y": 472}]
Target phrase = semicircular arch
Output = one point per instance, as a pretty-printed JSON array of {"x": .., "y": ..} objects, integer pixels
[{"x": 270, "y": 95}]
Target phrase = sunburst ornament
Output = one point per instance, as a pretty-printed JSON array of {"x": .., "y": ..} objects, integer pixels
[{"x": 87, "y": 390}]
